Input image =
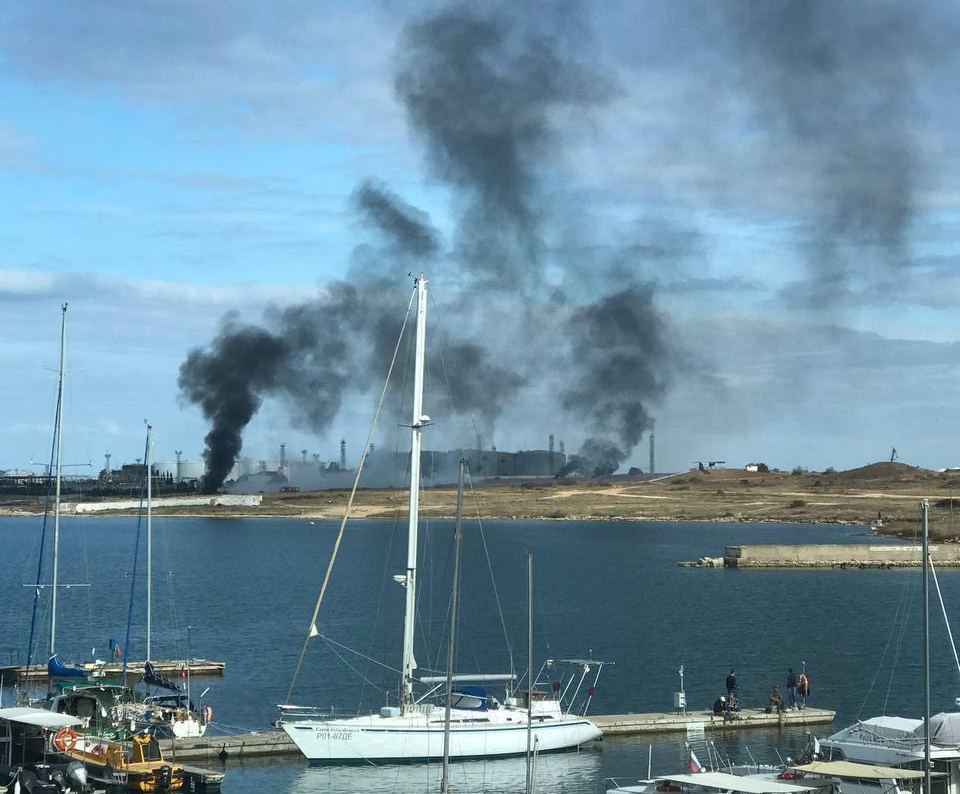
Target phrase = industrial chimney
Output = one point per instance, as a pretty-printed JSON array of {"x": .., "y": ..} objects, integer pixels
[
  {"x": 652, "y": 442},
  {"x": 343, "y": 454},
  {"x": 283, "y": 457}
]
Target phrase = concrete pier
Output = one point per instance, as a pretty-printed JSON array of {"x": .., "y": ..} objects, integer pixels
[
  {"x": 829, "y": 555},
  {"x": 669, "y": 722}
]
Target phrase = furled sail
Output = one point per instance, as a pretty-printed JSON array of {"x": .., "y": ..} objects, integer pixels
[
  {"x": 150, "y": 676},
  {"x": 57, "y": 669}
]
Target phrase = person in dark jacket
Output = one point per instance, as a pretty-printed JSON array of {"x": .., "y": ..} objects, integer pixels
[
  {"x": 732, "y": 686},
  {"x": 792, "y": 688}
]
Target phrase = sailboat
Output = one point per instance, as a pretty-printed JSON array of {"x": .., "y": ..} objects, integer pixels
[
  {"x": 480, "y": 726},
  {"x": 927, "y": 744},
  {"x": 115, "y": 710}
]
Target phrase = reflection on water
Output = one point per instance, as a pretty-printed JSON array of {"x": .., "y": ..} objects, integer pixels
[{"x": 562, "y": 773}]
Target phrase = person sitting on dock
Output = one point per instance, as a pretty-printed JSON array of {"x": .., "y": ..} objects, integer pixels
[
  {"x": 719, "y": 706},
  {"x": 776, "y": 700}
]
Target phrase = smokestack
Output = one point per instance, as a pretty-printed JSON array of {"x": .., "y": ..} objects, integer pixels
[
  {"x": 563, "y": 452},
  {"x": 553, "y": 468},
  {"x": 343, "y": 454},
  {"x": 179, "y": 453},
  {"x": 106, "y": 465},
  {"x": 283, "y": 456},
  {"x": 652, "y": 469},
  {"x": 304, "y": 453}
]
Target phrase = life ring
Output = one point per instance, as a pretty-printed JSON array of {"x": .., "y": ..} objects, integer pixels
[
  {"x": 208, "y": 713},
  {"x": 65, "y": 740}
]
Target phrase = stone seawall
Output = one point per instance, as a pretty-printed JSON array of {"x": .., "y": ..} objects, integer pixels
[{"x": 859, "y": 555}]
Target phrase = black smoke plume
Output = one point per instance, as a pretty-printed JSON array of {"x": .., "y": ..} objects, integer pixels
[
  {"x": 620, "y": 363},
  {"x": 483, "y": 89},
  {"x": 832, "y": 82}
]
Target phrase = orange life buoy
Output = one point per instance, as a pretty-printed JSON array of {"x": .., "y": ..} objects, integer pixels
[
  {"x": 65, "y": 739},
  {"x": 208, "y": 713}
]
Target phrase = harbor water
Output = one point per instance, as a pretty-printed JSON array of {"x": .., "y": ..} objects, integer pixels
[{"x": 242, "y": 590}]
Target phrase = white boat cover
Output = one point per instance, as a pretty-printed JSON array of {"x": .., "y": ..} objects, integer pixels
[
  {"x": 39, "y": 717},
  {"x": 739, "y": 783},
  {"x": 859, "y": 771},
  {"x": 944, "y": 728}
]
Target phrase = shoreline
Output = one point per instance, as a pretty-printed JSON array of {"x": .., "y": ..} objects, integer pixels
[{"x": 882, "y": 498}]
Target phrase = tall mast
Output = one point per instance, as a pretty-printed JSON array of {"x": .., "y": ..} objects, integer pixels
[
  {"x": 148, "y": 457},
  {"x": 56, "y": 503},
  {"x": 452, "y": 636},
  {"x": 529, "y": 781},
  {"x": 416, "y": 428},
  {"x": 924, "y": 507}
]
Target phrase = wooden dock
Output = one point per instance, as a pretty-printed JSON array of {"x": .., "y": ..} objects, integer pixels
[
  {"x": 165, "y": 667},
  {"x": 213, "y": 747},
  {"x": 668, "y": 722},
  {"x": 224, "y": 748}
]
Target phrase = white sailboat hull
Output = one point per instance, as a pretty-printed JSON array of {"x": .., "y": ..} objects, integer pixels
[{"x": 419, "y": 737}]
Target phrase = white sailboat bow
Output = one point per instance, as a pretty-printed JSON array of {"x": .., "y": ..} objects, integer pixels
[{"x": 479, "y": 726}]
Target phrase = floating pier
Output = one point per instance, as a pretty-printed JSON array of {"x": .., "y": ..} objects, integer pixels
[
  {"x": 670, "y": 722},
  {"x": 213, "y": 747},
  {"x": 38, "y": 672},
  {"x": 222, "y": 748},
  {"x": 829, "y": 555}
]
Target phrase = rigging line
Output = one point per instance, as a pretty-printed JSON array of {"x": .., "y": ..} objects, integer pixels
[
  {"x": 354, "y": 669},
  {"x": 43, "y": 533},
  {"x": 946, "y": 620},
  {"x": 493, "y": 581},
  {"x": 346, "y": 513},
  {"x": 355, "y": 652},
  {"x": 133, "y": 575},
  {"x": 886, "y": 648},
  {"x": 896, "y": 656}
]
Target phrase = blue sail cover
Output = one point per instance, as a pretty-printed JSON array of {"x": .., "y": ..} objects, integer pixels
[
  {"x": 57, "y": 669},
  {"x": 150, "y": 676}
]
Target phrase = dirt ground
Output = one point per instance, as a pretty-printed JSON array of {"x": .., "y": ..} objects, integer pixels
[{"x": 887, "y": 491}]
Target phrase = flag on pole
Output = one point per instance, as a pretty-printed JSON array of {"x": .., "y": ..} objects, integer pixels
[
  {"x": 313, "y": 630},
  {"x": 694, "y": 764}
]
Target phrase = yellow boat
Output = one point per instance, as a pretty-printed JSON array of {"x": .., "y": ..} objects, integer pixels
[{"x": 137, "y": 764}]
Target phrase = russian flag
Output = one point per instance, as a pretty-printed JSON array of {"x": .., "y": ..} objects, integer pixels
[{"x": 694, "y": 764}]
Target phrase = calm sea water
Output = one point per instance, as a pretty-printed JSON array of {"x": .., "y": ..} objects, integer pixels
[{"x": 245, "y": 588}]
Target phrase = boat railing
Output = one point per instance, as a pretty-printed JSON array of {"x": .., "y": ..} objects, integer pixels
[{"x": 288, "y": 712}]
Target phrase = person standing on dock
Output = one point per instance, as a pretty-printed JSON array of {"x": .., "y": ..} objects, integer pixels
[
  {"x": 803, "y": 688},
  {"x": 733, "y": 688},
  {"x": 792, "y": 681}
]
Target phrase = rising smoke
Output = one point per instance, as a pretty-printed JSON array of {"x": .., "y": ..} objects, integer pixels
[
  {"x": 482, "y": 90},
  {"x": 831, "y": 82}
]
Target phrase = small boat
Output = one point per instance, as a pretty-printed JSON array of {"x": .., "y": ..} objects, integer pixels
[
  {"x": 136, "y": 764},
  {"x": 478, "y": 725},
  {"x": 24, "y": 765}
]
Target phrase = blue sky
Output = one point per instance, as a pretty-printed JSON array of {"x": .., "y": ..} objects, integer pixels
[{"x": 164, "y": 163}]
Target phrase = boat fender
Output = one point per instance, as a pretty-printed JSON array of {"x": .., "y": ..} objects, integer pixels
[
  {"x": 789, "y": 775},
  {"x": 65, "y": 739},
  {"x": 208, "y": 713}
]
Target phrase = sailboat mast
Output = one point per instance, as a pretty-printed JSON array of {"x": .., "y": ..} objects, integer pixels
[
  {"x": 924, "y": 508},
  {"x": 148, "y": 458},
  {"x": 416, "y": 428},
  {"x": 529, "y": 780},
  {"x": 56, "y": 503},
  {"x": 452, "y": 637}
]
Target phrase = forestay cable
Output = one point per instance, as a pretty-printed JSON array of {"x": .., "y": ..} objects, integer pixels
[{"x": 312, "y": 627}]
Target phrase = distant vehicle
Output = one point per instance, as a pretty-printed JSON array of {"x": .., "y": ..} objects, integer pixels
[{"x": 289, "y": 489}]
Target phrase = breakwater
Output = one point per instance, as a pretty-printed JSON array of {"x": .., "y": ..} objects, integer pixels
[{"x": 829, "y": 555}]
